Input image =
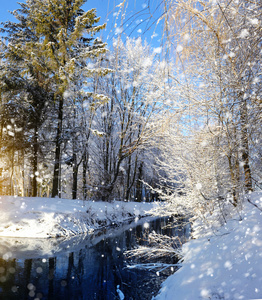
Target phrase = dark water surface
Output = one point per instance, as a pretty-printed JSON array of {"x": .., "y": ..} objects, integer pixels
[{"x": 83, "y": 267}]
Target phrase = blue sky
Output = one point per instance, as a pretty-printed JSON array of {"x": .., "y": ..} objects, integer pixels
[
  {"x": 10, "y": 5},
  {"x": 137, "y": 22}
]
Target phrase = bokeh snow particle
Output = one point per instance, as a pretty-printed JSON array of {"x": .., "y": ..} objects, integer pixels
[
  {"x": 228, "y": 265},
  {"x": 118, "y": 30},
  {"x": 157, "y": 50},
  {"x": 146, "y": 225},
  {"x": 205, "y": 293},
  {"x": 179, "y": 48},
  {"x": 198, "y": 186}
]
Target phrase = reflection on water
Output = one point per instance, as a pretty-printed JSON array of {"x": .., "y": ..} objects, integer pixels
[{"x": 84, "y": 267}]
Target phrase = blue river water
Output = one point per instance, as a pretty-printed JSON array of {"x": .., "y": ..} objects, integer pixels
[{"x": 84, "y": 267}]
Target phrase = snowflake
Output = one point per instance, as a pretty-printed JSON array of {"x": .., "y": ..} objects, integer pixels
[
  {"x": 244, "y": 33},
  {"x": 179, "y": 48}
]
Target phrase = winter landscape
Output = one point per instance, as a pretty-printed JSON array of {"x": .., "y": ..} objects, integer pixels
[
  {"x": 130, "y": 149},
  {"x": 223, "y": 262}
]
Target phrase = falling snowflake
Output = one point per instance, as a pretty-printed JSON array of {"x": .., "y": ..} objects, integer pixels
[
  {"x": 158, "y": 50},
  {"x": 244, "y": 33},
  {"x": 179, "y": 48},
  {"x": 198, "y": 186}
]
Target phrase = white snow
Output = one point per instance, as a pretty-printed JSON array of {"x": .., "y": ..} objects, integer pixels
[
  {"x": 20, "y": 247},
  {"x": 157, "y": 50},
  {"x": 53, "y": 217},
  {"x": 179, "y": 48},
  {"x": 244, "y": 33},
  {"x": 227, "y": 265}
]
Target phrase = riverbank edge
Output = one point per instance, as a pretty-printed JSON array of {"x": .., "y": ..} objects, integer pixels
[
  {"x": 221, "y": 264},
  {"x": 26, "y": 217}
]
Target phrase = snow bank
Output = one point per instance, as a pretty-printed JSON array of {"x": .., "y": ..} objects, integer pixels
[
  {"x": 225, "y": 266},
  {"x": 53, "y": 217}
]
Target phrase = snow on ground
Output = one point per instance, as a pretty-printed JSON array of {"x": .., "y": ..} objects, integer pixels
[
  {"x": 227, "y": 265},
  {"x": 54, "y": 217},
  {"x": 28, "y": 248}
]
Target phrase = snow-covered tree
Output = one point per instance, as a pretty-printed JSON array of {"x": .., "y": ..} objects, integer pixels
[
  {"x": 122, "y": 127},
  {"x": 45, "y": 51},
  {"x": 26, "y": 92},
  {"x": 217, "y": 49}
]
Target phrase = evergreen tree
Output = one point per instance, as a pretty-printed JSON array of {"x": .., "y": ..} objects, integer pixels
[
  {"x": 25, "y": 89},
  {"x": 50, "y": 43}
]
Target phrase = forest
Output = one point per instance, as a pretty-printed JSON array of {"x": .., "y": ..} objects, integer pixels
[{"x": 83, "y": 119}]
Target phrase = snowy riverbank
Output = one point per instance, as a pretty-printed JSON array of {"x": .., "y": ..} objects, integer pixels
[
  {"x": 49, "y": 217},
  {"x": 227, "y": 265}
]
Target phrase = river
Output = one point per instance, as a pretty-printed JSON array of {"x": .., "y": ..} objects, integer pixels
[{"x": 83, "y": 267}]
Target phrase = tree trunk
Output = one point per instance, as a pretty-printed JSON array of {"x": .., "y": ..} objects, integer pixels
[
  {"x": 75, "y": 174},
  {"x": 35, "y": 161},
  {"x": 233, "y": 180},
  {"x": 139, "y": 184},
  {"x": 85, "y": 166},
  {"x": 131, "y": 181},
  {"x": 12, "y": 169},
  {"x": 245, "y": 147},
  {"x": 56, "y": 177},
  {"x": 127, "y": 195}
]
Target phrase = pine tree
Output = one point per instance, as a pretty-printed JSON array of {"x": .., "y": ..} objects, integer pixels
[
  {"x": 62, "y": 25},
  {"x": 24, "y": 87},
  {"x": 54, "y": 40}
]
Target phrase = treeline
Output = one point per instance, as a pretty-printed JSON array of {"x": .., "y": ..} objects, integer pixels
[
  {"x": 80, "y": 121},
  {"x": 74, "y": 117},
  {"x": 212, "y": 149}
]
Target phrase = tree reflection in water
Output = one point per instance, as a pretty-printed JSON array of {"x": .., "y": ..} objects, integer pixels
[{"x": 92, "y": 271}]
